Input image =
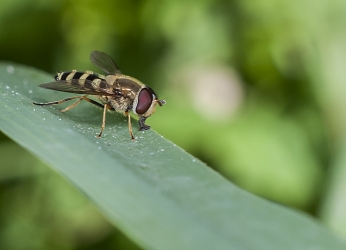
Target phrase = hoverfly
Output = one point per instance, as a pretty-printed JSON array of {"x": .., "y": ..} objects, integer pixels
[{"x": 115, "y": 91}]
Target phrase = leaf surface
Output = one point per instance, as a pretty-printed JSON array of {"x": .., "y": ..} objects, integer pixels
[{"x": 153, "y": 191}]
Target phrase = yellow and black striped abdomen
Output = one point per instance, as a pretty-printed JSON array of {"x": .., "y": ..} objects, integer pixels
[{"x": 86, "y": 79}]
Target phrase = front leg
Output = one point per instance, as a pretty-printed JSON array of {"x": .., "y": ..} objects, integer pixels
[
  {"x": 142, "y": 125},
  {"x": 129, "y": 124}
]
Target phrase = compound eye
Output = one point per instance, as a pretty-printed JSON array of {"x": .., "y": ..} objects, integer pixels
[{"x": 145, "y": 98}]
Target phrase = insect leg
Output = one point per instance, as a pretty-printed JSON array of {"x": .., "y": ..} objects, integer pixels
[
  {"x": 103, "y": 119},
  {"x": 129, "y": 124},
  {"x": 69, "y": 99},
  {"x": 77, "y": 102},
  {"x": 95, "y": 103},
  {"x": 71, "y": 106},
  {"x": 56, "y": 102}
]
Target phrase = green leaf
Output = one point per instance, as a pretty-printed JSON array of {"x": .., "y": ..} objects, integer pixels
[
  {"x": 153, "y": 191},
  {"x": 333, "y": 211}
]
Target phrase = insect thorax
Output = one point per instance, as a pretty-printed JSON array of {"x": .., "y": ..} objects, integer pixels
[
  {"x": 126, "y": 85},
  {"x": 119, "y": 104},
  {"x": 125, "y": 88}
]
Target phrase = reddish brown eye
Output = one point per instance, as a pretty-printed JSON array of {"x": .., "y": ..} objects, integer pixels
[{"x": 145, "y": 98}]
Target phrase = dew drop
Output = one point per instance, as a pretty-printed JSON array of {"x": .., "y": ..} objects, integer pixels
[{"x": 10, "y": 69}]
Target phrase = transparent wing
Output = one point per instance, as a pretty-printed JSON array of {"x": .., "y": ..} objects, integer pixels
[
  {"x": 104, "y": 62},
  {"x": 73, "y": 86}
]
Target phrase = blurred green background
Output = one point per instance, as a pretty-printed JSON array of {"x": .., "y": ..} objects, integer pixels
[{"x": 256, "y": 89}]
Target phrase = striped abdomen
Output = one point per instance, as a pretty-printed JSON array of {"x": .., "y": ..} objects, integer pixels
[{"x": 86, "y": 79}]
